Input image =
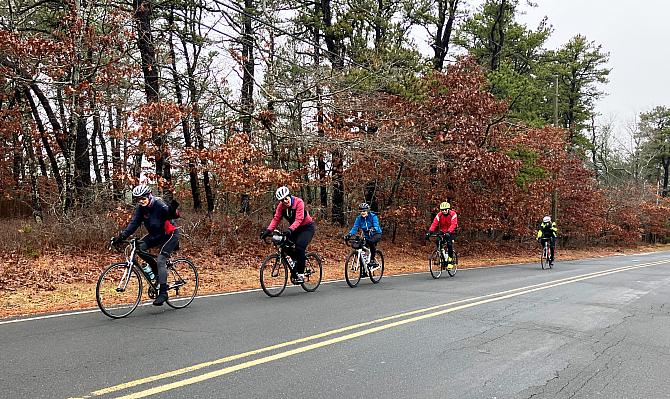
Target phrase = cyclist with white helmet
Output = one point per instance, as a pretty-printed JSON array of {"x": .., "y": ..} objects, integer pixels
[
  {"x": 368, "y": 222},
  {"x": 548, "y": 231},
  {"x": 300, "y": 231},
  {"x": 156, "y": 217},
  {"x": 447, "y": 221}
]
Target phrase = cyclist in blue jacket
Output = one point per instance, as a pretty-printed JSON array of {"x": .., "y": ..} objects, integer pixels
[{"x": 368, "y": 222}]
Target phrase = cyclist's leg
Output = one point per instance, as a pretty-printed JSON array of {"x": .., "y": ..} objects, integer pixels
[
  {"x": 372, "y": 244},
  {"x": 166, "y": 250},
  {"x": 450, "y": 245},
  {"x": 302, "y": 237},
  {"x": 145, "y": 244},
  {"x": 552, "y": 245}
]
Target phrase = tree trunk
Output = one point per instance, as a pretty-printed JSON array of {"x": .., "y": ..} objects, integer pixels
[
  {"x": 247, "y": 98},
  {"x": 45, "y": 143},
  {"x": 335, "y": 54},
  {"x": 185, "y": 124},
  {"x": 443, "y": 35}
]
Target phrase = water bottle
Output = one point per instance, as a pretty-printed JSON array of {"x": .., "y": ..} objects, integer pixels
[
  {"x": 147, "y": 270},
  {"x": 290, "y": 262}
]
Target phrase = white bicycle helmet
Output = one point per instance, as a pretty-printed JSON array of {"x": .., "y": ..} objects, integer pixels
[
  {"x": 282, "y": 192},
  {"x": 141, "y": 191},
  {"x": 546, "y": 219}
]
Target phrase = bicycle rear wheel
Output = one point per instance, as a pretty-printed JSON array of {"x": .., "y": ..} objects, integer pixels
[
  {"x": 352, "y": 269},
  {"x": 313, "y": 272},
  {"x": 452, "y": 271},
  {"x": 182, "y": 283},
  {"x": 274, "y": 275},
  {"x": 377, "y": 273},
  {"x": 119, "y": 290},
  {"x": 435, "y": 264}
]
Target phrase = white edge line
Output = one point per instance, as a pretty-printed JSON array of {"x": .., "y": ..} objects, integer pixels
[{"x": 93, "y": 310}]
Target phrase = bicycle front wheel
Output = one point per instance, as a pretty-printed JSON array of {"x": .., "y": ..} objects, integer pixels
[
  {"x": 352, "y": 269},
  {"x": 274, "y": 275},
  {"x": 452, "y": 271},
  {"x": 182, "y": 283},
  {"x": 378, "y": 271},
  {"x": 544, "y": 260},
  {"x": 119, "y": 290},
  {"x": 435, "y": 264},
  {"x": 313, "y": 272}
]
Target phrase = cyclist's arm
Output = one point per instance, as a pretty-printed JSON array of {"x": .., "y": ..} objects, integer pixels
[
  {"x": 299, "y": 214},
  {"x": 133, "y": 225},
  {"x": 433, "y": 226},
  {"x": 376, "y": 225},
  {"x": 276, "y": 219},
  {"x": 539, "y": 234},
  {"x": 453, "y": 223},
  {"x": 357, "y": 225}
]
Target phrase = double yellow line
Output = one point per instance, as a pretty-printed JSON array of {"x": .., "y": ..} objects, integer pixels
[{"x": 419, "y": 314}]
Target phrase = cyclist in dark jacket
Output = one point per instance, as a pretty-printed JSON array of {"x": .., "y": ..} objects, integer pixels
[
  {"x": 299, "y": 232},
  {"x": 548, "y": 231},
  {"x": 368, "y": 222},
  {"x": 155, "y": 215}
]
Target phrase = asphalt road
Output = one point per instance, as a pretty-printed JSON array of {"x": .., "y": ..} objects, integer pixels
[{"x": 597, "y": 328}]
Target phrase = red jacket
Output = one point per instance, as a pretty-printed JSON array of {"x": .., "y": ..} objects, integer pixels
[
  {"x": 448, "y": 223},
  {"x": 296, "y": 214}
]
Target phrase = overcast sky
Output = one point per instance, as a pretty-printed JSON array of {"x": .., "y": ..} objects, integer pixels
[{"x": 636, "y": 35}]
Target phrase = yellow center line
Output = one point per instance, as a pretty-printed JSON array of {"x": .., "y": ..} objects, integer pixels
[{"x": 480, "y": 301}]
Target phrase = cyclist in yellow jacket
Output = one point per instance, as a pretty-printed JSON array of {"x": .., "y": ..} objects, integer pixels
[{"x": 548, "y": 231}]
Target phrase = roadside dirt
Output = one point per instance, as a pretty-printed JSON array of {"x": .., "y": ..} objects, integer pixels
[{"x": 56, "y": 282}]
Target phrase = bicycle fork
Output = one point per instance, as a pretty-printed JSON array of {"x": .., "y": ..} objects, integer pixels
[{"x": 124, "y": 280}]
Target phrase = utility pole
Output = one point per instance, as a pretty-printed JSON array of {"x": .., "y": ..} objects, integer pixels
[{"x": 554, "y": 195}]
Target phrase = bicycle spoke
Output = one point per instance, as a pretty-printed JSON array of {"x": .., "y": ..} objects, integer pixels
[
  {"x": 435, "y": 264},
  {"x": 352, "y": 271},
  {"x": 273, "y": 275},
  {"x": 119, "y": 290},
  {"x": 313, "y": 272},
  {"x": 182, "y": 283}
]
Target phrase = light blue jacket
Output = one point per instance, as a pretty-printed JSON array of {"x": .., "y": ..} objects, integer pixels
[{"x": 369, "y": 225}]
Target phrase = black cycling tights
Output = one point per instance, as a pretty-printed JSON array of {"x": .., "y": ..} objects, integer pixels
[
  {"x": 168, "y": 244},
  {"x": 301, "y": 237}
]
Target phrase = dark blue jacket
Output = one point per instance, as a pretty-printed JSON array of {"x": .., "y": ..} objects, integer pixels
[
  {"x": 155, "y": 218},
  {"x": 369, "y": 225}
]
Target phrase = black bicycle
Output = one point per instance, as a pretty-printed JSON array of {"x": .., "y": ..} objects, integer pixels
[
  {"x": 275, "y": 268},
  {"x": 358, "y": 262},
  {"x": 438, "y": 258},
  {"x": 119, "y": 288},
  {"x": 545, "y": 258}
]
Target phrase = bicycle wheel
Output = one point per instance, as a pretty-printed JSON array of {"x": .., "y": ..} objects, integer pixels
[
  {"x": 182, "y": 283},
  {"x": 352, "y": 269},
  {"x": 435, "y": 264},
  {"x": 313, "y": 272},
  {"x": 274, "y": 275},
  {"x": 119, "y": 290},
  {"x": 377, "y": 273},
  {"x": 452, "y": 271},
  {"x": 543, "y": 258}
]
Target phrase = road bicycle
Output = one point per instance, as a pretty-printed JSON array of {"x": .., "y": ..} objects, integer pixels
[
  {"x": 438, "y": 258},
  {"x": 275, "y": 268},
  {"x": 357, "y": 262},
  {"x": 119, "y": 288},
  {"x": 545, "y": 257}
]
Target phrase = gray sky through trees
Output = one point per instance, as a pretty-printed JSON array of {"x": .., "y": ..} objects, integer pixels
[{"x": 635, "y": 34}]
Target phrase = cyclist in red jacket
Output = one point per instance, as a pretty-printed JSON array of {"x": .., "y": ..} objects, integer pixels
[
  {"x": 447, "y": 221},
  {"x": 299, "y": 232}
]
